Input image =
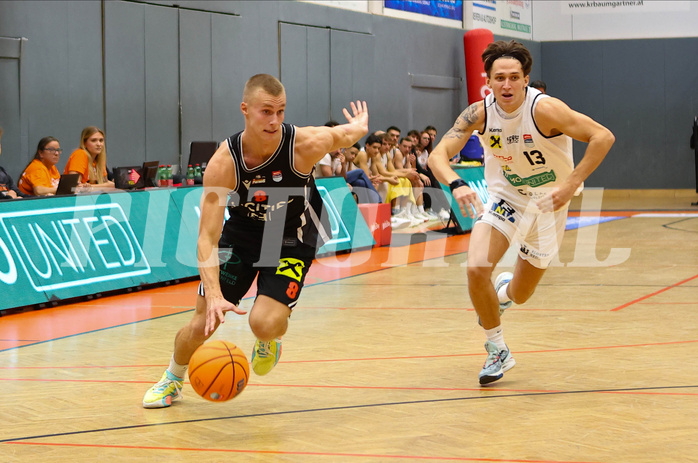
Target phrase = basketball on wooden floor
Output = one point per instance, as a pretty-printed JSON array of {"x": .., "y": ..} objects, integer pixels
[{"x": 218, "y": 370}]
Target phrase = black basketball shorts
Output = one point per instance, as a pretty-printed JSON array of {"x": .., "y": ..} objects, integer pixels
[{"x": 282, "y": 282}]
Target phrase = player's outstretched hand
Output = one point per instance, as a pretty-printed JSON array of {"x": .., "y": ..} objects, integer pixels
[
  {"x": 359, "y": 114},
  {"x": 466, "y": 197},
  {"x": 215, "y": 313}
]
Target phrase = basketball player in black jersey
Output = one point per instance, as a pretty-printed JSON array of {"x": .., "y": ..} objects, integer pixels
[{"x": 263, "y": 175}]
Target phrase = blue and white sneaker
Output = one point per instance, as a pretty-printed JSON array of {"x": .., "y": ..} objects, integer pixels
[
  {"x": 502, "y": 279},
  {"x": 498, "y": 361}
]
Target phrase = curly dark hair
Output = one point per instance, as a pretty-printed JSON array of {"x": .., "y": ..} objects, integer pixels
[{"x": 511, "y": 49}]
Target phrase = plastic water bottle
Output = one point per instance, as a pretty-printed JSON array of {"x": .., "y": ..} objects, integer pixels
[
  {"x": 190, "y": 175},
  {"x": 197, "y": 171},
  {"x": 161, "y": 176},
  {"x": 170, "y": 182}
]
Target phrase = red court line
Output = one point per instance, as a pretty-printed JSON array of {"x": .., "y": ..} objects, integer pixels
[
  {"x": 372, "y": 359},
  {"x": 621, "y": 307},
  {"x": 281, "y": 452}
]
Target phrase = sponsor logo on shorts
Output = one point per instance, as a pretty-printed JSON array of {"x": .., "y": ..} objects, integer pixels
[
  {"x": 227, "y": 255},
  {"x": 290, "y": 267},
  {"x": 533, "y": 253},
  {"x": 503, "y": 211}
]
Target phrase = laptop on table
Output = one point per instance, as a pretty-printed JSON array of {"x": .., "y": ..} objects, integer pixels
[
  {"x": 136, "y": 177},
  {"x": 67, "y": 184}
]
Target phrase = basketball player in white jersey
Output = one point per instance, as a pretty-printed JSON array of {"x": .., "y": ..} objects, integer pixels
[{"x": 531, "y": 177}]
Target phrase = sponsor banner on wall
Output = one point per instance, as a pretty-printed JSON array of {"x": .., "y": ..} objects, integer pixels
[
  {"x": 475, "y": 176},
  {"x": 511, "y": 18},
  {"x": 58, "y": 248},
  {"x": 348, "y": 228},
  {"x": 449, "y": 9},
  {"x": 622, "y": 6}
]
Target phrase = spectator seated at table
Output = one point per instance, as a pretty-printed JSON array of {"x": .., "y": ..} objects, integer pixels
[{"x": 40, "y": 177}]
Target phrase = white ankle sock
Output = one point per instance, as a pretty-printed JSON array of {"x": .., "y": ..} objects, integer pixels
[
  {"x": 496, "y": 335},
  {"x": 502, "y": 294},
  {"x": 176, "y": 369}
]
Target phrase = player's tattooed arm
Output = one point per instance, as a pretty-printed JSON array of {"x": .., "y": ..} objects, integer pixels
[{"x": 470, "y": 119}]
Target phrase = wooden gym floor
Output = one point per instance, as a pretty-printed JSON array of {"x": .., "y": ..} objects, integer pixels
[{"x": 381, "y": 359}]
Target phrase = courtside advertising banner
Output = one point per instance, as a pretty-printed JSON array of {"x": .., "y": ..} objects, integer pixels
[
  {"x": 475, "y": 176},
  {"x": 64, "y": 247},
  {"x": 348, "y": 228},
  {"x": 59, "y": 248},
  {"x": 512, "y": 18},
  {"x": 448, "y": 9},
  {"x": 622, "y": 6}
]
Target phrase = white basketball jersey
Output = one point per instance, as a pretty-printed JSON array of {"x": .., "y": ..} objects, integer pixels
[{"x": 520, "y": 162}]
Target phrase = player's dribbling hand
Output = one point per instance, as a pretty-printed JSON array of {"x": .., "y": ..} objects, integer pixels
[
  {"x": 466, "y": 198},
  {"x": 215, "y": 313}
]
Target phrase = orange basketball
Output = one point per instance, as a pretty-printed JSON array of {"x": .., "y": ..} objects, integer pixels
[{"x": 218, "y": 371}]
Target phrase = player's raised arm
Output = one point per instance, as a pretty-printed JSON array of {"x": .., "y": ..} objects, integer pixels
[
  {"x": 453, "y": 141},
  {"x": 313, "y": 142}
]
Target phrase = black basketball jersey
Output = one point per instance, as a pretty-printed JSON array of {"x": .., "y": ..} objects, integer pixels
[{"x": 273, "y": 194}]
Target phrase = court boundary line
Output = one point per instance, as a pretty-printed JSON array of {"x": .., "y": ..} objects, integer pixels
[{"x": 345, "y": 407}]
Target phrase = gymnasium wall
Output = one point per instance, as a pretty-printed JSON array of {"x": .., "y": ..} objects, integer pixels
[
  {"x": 157, "y": 77},
  {"x": 644, "y": 91},
  {"x": 165, "y": 76}
]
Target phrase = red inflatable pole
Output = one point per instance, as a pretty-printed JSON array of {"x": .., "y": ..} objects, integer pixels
[{"x": 474, "y": 43}]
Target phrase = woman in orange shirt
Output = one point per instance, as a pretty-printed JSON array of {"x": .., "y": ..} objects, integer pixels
[
  {"x": 40, "y": 177},
  {"x": 90, "y": 160}
]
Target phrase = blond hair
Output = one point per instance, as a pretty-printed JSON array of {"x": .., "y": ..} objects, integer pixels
[
  {"x": 95, "y": 175},
  {"x": 266, "y": 82}
]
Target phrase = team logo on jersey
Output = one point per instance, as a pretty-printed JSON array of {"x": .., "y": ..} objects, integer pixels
[
  {"x": 276, "y": 176},
  {"x": 528, "y": 139},
  {"x": 495, "y": 141},
  {"x": 259, "y": 196},
  {"x": 503, "y": 211},
  {"x": 512, "y": 139},
  {"x": 290, "y": 267},
  {"x": 259, "y": 180}
]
